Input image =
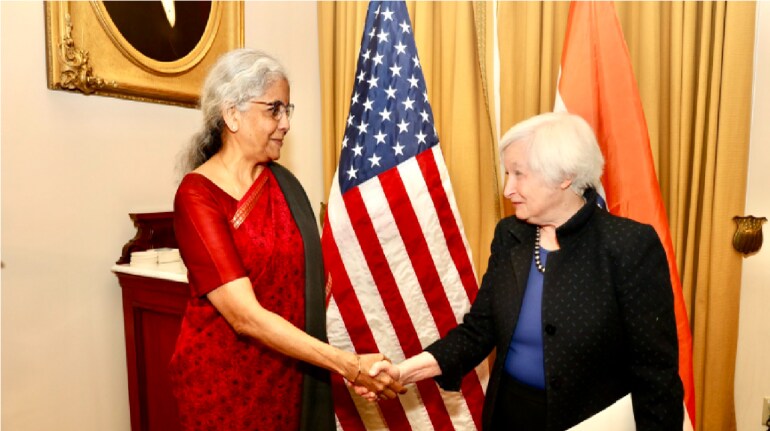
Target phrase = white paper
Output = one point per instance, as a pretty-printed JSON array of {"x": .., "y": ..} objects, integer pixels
[{"x": 617, "y": 417}]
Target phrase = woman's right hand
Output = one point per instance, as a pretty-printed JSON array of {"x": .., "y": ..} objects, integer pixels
[
  {"x": 419, "y": 367},
  {"x": 379, "y": 385}
]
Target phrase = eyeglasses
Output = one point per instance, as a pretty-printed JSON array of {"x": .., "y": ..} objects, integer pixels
[{"x": 277, "y": 109}]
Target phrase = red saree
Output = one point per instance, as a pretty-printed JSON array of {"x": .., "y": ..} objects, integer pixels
[{"x": 223, "y": 381}]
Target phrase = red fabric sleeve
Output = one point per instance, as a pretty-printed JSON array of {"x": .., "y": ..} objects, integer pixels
[{"x": 202, "y": 230}]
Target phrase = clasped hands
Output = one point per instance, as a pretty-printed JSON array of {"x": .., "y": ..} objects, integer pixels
[{"x": 377, "y": 378}]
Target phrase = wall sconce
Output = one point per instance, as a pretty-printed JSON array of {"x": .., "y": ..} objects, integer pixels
[{"x": 748, "y": 234}]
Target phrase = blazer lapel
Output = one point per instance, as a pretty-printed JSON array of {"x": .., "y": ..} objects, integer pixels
[{"x": 516, "y": 283}]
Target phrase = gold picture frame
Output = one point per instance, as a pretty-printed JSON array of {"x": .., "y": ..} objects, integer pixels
[{"x": 88, "y": 48}]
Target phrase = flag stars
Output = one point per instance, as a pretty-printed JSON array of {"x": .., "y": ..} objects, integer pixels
[
  {"x": 399, "y": 149},
  {"x": 408, "y": 103},
  {"x": 362, "y": 128},
  {"x": 351, "y": 173},
  {"x": 382, "y": 36},
  {"x": 375, "y": 160},
  {"x": 380, "y": 137},
  {"x": 357, "y": 149},
  {"x": 421, "y": 137},
  {"x": 385, "y": 107},
  {"x": 378, "y": 59}
]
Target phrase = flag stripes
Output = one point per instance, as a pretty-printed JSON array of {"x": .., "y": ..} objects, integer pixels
[
  {"x": 398, "y": 267},
  {"x": 417, "y": 311},
  {"x": 455, "y": 240}
]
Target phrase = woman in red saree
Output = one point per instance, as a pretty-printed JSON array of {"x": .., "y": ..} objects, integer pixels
[{"x": 252, "y": 351}]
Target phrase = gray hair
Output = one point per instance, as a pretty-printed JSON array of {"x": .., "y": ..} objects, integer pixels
[
  {"x": 561, "y": 146},
  {"x": 236, "y": 78}
]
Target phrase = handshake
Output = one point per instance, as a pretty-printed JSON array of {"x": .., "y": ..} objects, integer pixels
[{"x": 376, "y": 378}]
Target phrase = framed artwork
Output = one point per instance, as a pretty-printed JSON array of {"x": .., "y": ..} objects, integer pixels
[{"x": 153, "y": 51}]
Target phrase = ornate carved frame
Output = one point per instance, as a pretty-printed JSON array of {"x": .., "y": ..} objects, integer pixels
[{"x": 85, "y": 53}]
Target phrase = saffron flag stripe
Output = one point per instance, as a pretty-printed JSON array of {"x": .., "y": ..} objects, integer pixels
[{"x": 597, "y": 82}]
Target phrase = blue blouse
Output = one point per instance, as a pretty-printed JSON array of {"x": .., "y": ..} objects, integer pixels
[{"x": 525, "y": 353}]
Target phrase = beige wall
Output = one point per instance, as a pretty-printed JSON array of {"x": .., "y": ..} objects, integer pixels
[
  {"x": 73, "y": 167},
  {"x": 752, "y": 371}
]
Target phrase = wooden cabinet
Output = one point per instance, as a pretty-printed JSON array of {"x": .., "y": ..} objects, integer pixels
[{"x": 153, "y": 306}]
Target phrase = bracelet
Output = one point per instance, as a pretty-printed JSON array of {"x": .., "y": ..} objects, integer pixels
[{"x": 359, "y": 371}]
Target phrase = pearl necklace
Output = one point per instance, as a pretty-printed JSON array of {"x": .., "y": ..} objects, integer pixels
[{"x": 539, "y": 265}]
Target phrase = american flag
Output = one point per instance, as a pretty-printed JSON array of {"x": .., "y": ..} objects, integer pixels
[{"x": 398, "y": 265}]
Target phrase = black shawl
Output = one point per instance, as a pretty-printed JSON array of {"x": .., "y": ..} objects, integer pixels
[{"x": 317, "y": 406}]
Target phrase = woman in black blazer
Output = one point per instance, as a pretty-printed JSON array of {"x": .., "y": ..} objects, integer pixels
[{"x": 577, "y": 302}]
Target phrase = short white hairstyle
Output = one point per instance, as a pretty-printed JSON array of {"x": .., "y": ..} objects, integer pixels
[{"x": 561, "y": 146}]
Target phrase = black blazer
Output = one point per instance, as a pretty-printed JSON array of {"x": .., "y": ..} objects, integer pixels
[{"x": 608, "y": 320}]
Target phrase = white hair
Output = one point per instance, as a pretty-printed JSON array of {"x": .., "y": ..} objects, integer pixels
[
  {"x": 561, "y": 146},
  {"x": 237, "y": 77}
]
